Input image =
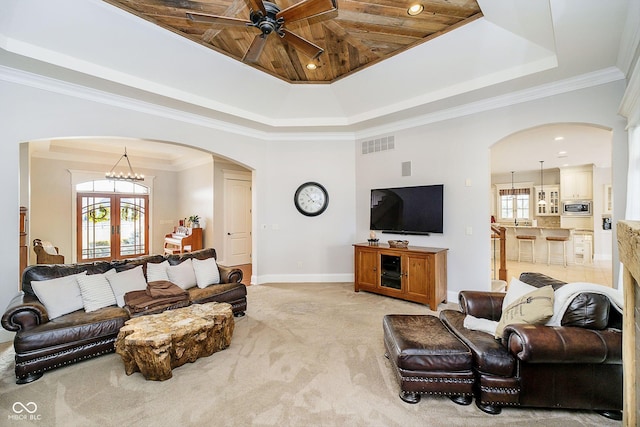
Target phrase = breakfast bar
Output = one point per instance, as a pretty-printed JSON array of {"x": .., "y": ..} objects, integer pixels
[{"x": 537, "y": 237}]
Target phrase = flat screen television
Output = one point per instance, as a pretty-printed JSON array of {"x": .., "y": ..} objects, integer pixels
[{"x": 407, "y": 210}]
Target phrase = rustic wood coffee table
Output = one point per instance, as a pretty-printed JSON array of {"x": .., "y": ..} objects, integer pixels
[{"x": 157, "y": 343}]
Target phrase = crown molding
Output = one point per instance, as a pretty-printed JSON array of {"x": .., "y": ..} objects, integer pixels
[
  {"x": 37, "y": 81},
  {"x": 583, "y": 81},
  {"x": 25, "y": 78},
  {"x": 630, "y": 105}
]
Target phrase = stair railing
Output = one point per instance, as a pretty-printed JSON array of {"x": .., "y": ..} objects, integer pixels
[{"x": 500, "y": 233}]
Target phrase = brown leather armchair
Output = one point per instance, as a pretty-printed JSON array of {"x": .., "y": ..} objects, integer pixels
[
  {"x": 576, "y": 366},
  {"x": 44, "y": 257}
]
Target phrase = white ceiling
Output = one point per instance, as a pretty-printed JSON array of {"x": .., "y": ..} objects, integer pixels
[
  {"x": 143, "y": 154},
  {"x": 518, "y": 46},
  {"x": 544, "y": 40},
  {"x": 580, "y": 144}
]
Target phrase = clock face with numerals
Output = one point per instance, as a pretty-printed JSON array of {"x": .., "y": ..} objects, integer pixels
[{"x": 311, "y": 199}]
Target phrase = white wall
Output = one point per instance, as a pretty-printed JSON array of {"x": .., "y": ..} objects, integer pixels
[
  {"x": 293, "y": 247},
  {"x": 195, "y": 197},
  {"x": 602, "y": 239}
]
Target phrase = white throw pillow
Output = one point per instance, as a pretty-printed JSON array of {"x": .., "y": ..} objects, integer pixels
[
  {"x": 157, "y": 271},
  {"x": 60, "y": 296},
  {"x": 516, "y": 289},
  {"x": 206, "y": 271},
  {"x": 96, "y": 291},
  {"x": 127, "y": 281},
  {"x": 182, "y": 274}
]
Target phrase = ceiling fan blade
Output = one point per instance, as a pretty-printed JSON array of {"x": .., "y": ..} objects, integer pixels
[
  {"x": 302, "y": 45},
  {"x": 256, "y": 5},
  {"x": 255, "y": 49},
  {"x": 306, "y": 9},
  {"x": 214, "y": 19}
]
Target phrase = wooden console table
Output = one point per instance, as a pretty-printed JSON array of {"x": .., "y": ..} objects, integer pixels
[{"x": 417, "y": 274}]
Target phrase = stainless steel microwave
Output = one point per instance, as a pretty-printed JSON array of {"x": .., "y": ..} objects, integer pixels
[{"x": 574, "y": 208}]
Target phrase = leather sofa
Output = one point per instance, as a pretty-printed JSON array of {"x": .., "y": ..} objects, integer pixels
[
  {"x": 577, "y": 365},
  {"x": 42, "y": 344}
]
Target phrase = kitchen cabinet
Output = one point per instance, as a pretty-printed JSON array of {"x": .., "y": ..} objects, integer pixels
[
  {"x": 583, "y": 247},
  {"x": 417, "y": 274},
  {"x": 552, "y": 197},
  {"x": 576, "y": 183}
]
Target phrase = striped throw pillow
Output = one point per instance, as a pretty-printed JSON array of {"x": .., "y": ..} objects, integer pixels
[{"x": 96, "y": 291}]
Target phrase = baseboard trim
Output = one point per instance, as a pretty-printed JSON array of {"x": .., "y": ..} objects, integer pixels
[{"x": 303, "y": 278}]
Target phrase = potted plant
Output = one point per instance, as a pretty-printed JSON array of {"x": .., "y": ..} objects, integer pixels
[{"x": 195, "y": 221}]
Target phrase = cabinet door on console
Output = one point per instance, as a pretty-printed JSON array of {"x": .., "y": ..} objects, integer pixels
[
  {"x": 418, "y": 276},
  {"x": 367, "y": 272}
]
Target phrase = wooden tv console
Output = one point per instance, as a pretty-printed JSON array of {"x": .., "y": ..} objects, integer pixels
[{"x": 417, "y": 274}]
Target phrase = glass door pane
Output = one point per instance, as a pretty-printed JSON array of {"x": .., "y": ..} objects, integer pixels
[
  {"x": 391, "y": 276},
  {"x": 132, "y": 229},
  {"x": 95, "y": 223}
]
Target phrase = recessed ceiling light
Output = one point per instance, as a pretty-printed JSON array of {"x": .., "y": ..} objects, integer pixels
[
  {"x": 311, "y": 66},
  {"x": 558, "y": 138},
  {"x": 562, "y": 153},
  {"x": 415, "y": 9}
]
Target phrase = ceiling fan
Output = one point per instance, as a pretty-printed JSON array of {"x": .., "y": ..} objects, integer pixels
[{"x": 268, "y": 18}]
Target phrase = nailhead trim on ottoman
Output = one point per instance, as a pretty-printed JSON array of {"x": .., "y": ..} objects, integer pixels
[{"x": 427, "y": 358}]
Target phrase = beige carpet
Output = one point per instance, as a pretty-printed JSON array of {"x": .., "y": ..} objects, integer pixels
[{"x": 304, "y": 355}]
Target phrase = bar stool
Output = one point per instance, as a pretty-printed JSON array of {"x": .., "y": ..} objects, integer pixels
[
  {"x": 526, "y": 238},
  {"x": 557, "y": 239}
]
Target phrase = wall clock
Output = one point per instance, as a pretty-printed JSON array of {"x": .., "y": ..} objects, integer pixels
[{"x": 311, "y": 199}]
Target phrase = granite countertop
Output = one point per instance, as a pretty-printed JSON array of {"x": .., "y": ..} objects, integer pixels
[{"x": 531, "y": 227}]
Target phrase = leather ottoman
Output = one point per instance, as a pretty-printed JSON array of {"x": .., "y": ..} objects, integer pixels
[{"x": 427, "y": 358}]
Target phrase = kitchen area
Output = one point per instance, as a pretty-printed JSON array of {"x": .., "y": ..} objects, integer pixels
[
  {"x": 556, "y": 216},
  {"x": 554, "y": 181}
]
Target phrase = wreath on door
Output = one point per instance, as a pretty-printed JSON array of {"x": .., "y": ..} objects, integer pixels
[{"x": 99, "y": 214}]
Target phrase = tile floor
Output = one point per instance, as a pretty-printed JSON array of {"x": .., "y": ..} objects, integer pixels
[{"x": 600, "y": 272}]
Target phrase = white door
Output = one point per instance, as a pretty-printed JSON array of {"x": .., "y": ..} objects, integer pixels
[{"x": 237, "y": 221}]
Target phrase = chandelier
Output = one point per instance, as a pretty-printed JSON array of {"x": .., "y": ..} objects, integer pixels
[{"x": 122, "y": 176}]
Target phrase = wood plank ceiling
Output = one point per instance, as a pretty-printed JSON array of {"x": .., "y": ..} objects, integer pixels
[{"x": 354, "y": 36}]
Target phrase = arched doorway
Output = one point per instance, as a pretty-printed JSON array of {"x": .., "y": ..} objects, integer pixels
[
  {"x": 560, "y": 148},
  {"x": 181, "y": 181}
]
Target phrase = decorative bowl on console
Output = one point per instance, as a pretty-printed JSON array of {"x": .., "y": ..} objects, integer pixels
[{"x": 399, "y": 244}]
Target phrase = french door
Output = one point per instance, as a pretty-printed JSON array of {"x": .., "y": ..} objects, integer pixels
[{"x": 112, "y": 226}]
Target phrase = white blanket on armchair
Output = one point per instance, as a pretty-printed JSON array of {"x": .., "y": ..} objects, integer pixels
[
  {"x": 561, "y": 300},
  {"x": 565, "y": 294}
]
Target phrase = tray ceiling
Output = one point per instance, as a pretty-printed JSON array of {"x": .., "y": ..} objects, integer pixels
[{"x": 354, "y": 36}]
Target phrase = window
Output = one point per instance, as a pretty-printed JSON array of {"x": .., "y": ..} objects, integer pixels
[
  {"x": 102, "y": 234},
  {"x": 514, "y": 203}
]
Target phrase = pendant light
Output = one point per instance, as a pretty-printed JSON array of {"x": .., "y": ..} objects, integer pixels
[
  {"x": 122, "y": 176},
  {"x": 541, "y": 196}
]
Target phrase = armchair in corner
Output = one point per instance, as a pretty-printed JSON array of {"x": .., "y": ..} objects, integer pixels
[{"x": 46, "y": 253}]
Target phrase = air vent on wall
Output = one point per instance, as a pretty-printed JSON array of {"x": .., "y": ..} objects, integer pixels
[
  {"x": 378, "y": 144},
  {"x": 406, "y": 168}
]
